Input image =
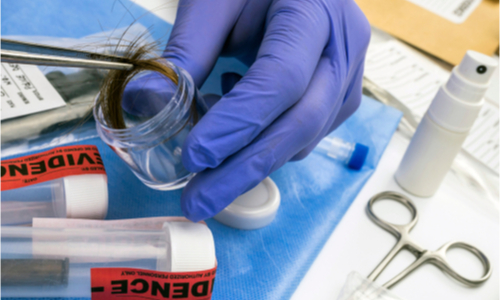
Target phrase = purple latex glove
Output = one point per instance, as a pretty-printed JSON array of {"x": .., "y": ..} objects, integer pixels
[{"x": 305, "y": 61}]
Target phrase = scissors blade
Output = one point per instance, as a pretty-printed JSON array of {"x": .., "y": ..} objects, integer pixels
[
  {"x": 32, "y": 53},
  {"x": 49, "y": 60},
  {"x": 8, "y": 44}
]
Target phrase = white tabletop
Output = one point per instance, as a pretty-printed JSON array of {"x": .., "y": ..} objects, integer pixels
[{"x": 357, "y": 244}]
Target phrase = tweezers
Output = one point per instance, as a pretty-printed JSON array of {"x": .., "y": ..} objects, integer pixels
[{"x": 37, "y": 54}]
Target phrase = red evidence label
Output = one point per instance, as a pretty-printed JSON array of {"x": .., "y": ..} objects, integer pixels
[
  {"x": 49, "y": 165},
  {"x": 129, "y": 283}
]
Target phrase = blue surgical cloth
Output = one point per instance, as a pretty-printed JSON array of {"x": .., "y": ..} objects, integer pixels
[{"x": 268, "y": 263}]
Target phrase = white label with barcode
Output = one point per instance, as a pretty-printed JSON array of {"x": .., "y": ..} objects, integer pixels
[
  {"x": 25, "y": 90},
  {"x": 456, "y": 11}
]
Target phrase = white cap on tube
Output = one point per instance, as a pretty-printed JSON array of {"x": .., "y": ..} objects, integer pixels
[
  {"x": 254, "y": 209},
  {"x": 86, "y": 196},
  {"x": 192, "y": 247}
]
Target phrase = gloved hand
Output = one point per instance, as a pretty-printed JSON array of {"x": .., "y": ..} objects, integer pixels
[{"x": 305, "y": 61}]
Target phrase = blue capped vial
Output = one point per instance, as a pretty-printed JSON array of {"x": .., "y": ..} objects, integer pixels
[{"x": 353, "y": 155}]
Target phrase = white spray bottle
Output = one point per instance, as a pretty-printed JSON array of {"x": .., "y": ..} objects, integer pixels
[{"x": 445, "y": 125}]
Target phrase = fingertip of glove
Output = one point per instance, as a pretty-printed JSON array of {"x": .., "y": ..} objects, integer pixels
[
  {"x": 195, "y": 157},
  {"x": 191, "y": 205},
  {"x": 190, "y": 156},
  {"x": 191, "y": 214}
]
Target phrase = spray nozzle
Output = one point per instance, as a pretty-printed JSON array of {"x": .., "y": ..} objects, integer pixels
[
  {"x": 477, "y": 67},
  {"x": 471, "y": 78}
]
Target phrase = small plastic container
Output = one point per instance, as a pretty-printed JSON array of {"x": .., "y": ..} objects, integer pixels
[
  {"x": 352, "y": 155},
  {"x": 49, "y": 262},
  {"x": 254, "y": 209},
  {"x": 77, "y": 196},
  {"x": 152, "y": 147}
]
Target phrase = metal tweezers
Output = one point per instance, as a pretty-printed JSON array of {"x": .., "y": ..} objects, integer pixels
[{"x": 37, "y": 54}]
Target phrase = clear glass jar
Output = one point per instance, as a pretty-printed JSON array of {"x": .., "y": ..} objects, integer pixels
[{"x": 152, "y": 147}]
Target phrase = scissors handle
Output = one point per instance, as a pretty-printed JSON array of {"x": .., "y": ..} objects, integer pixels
[
  {"x": 396, "y": 229},
  {"x": 443, "y": 264},
  {"x": 387, "y": 259},
  {"x": 401, "y": 232},
  {"x": 438, "y": 258}
]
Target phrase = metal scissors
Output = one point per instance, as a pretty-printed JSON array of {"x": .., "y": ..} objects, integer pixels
[
  {"x": 37, "y": 54},
  {"x": 437, "y": 258}
]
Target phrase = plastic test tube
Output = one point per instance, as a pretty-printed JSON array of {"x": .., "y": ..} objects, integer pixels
[
  {"x": 77, "y": 196},
  {"x": 352, "y": 155},
  {"x": 54, "y": 262}
]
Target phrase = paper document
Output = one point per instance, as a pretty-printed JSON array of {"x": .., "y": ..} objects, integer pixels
[
  {"x": 482, "y": 141},
  {"x": 25, "y": 90},
  {"x": 411, "y": 79},
  {"x": 455, "y": 11},
  {"x": 414, "y": 80}
]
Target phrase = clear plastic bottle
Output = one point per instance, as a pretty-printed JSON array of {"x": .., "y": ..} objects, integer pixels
[
  {"x": 352, "y": 155},
  {"x": 77, "y": 196},
  {"x": 152, "y": 147},
  {"x": 49, "y": 262}
]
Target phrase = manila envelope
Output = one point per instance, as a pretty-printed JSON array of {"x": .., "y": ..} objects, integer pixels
[{"x": 434, "y": 34}]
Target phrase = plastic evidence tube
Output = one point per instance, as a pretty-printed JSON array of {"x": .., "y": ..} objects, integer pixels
[
  {"x": 49, "y": 262},
  {"x": 77, "y": 196},
  {"x": 352, "y": 155},
  {"x": 62, "y": 182}
]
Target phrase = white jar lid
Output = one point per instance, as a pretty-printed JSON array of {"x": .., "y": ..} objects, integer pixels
[
  {"x": 254, "y": 209},
  {"x": 192, "y": 247},
  {"x": 86, "y": 196}
]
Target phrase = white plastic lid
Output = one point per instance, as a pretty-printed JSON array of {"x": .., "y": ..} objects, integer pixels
[
  {"x": 471, "y": 78},
  {"x": 254, "y": 209},
  {"x": 192, "y": 247},
  {"x": 457, "y": 103},
  {"x": 86, "y": 196}
]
